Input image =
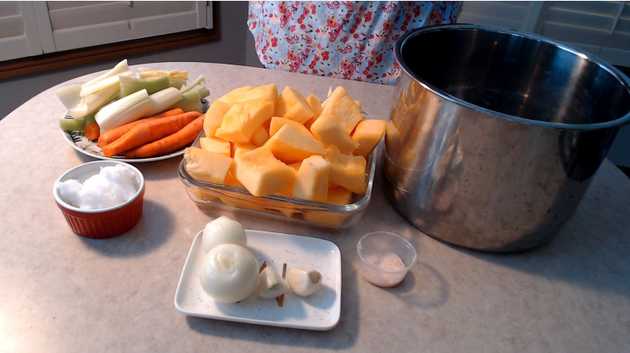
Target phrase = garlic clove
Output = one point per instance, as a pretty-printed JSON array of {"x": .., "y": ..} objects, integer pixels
[
  {"x": 269, "y": 285},
  {"x": 303, "y": 283}
]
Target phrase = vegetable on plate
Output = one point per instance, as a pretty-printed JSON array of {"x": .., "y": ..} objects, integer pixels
[{"x": 148, "y": 131}]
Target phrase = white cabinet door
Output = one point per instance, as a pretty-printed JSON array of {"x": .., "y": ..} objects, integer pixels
[
  {"x": 81, "y": 24},
  {"x": 19, "y": 36}
]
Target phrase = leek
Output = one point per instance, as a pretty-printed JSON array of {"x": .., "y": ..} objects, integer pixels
[
  {"x": 176, "y": 78},
  {"x": 117, "y": 70},
  {"x": 191, "y": 99},
  {"x": 72, "y": 124},
  {"x": 117, "y": 113},
  {"x": 198, "y": 82},
  {"x": 130, "y": 84},
  {"x": 162, "y": 100},
  {"x": 85, "y": 99},
  {"x": 69, "y": 95},
  {"x": 135, "y": 106}
]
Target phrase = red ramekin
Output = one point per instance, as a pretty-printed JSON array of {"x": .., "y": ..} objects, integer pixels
[{"x": 101, "y": 223}]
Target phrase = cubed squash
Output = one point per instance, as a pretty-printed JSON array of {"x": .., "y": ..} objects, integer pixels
[
  {"x": 338, "y": 118},
  {"x": 207, "y": 166},
  {"x": 339, "y": 196},
  {"x": 230, "y": 178},
  {"x": 278, "y": 122},
  {"x": 316, "y": 107},
  {"x": 240, "y": 148},
  {"x": 347, "y": 171},
  {"x": 244, "y": 94},
  {"x": 262, "y": 174},
  {"x": 215, "y": 145},
  {"x": 213, "y": 117},
  {"x": 201, "y": 194},
  {"x": 311, "y": 182},
  {"x": 234, "y": 95},
  {"x": 293, "y": 143},
  {"x": 292, "y": 105},
  {"x": 260, "y": 136},
  {"x": 268, "y": 92},
  {"x": 240, "y": 202},
  {"x": 242, "y": 120},
  {"x": 367, "y": 134},
  {"x": 315, "y": 104}
]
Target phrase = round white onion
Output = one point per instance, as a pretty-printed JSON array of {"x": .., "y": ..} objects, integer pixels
[
  {"x": 223, "y": 230},
  {"x": 230, "y": 273}
]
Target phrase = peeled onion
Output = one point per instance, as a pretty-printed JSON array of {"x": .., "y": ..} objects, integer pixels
[
  {"x": 230, "y": 273},
  {"x": 223, "y": 230}
]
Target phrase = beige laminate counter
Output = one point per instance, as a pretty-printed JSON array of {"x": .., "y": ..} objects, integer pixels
[{"x": 62, "y": 293}]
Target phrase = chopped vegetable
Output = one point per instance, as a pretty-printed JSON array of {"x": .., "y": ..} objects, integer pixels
[
  {"x": 191, "y": 99},
  {"x": 176, "y": 78},
  {"x": 130, "y": 84},
  {"x": 170, "y": 143},
  {"x": 149, "y": 131},
  {"x": 164, "y": 99},
  {"x": 71, "y": 124},
  {"x": 118, "y": 113},
  {"x": 118, "y": 69},
  {"x": 92, "y": 131},
  {"x": 69, "y": 95},
  {"x": 115, "y": 133}
]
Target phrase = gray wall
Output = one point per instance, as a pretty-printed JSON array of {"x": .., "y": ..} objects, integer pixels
[{"x": 234, "y": 47}]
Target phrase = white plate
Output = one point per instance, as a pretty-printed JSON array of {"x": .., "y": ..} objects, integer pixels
[
  {"x": 321, "y": 311},
  {"x": 68, "y": 139}
]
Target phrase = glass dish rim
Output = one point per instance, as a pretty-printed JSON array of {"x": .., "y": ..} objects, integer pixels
[
  {"x": 400, "y": 238},
  {"x": 359, "y": 204}
]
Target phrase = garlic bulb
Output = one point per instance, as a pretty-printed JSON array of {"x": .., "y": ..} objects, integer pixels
[
  {"x": 222, "y": 230},
  {"x": 269, "y": 285},
  {"x": 303, "y": 283},
  {"x": 229, "y": 273}
]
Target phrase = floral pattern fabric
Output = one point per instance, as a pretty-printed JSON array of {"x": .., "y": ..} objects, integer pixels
[{"x": 343, "y": 39}]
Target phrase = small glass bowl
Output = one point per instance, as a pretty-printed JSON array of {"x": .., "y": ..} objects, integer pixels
[{"x": 384, "y": 258}]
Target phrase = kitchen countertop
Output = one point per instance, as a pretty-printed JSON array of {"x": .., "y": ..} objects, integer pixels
[{"x": 63, "y": 293}]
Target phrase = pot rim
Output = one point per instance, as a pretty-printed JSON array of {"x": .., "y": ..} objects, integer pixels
[{"x": 623, "y": 79}]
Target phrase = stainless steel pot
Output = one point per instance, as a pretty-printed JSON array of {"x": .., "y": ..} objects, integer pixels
[{"x": 495, "y": 135}]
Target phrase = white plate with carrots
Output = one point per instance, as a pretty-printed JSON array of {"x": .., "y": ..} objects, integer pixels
[
  {"x": 69, "y": 138},
  {"x": 152, "y": 139}
]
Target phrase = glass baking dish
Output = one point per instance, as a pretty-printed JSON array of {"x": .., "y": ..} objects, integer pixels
[{"x": 210, "y": 196}]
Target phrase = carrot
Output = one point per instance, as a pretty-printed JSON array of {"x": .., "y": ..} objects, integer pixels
[
  {"x": 170, "y": 143},
  {"x": 149, "y": 131},
  {"x": 115, "y": 133},
  {"x": 92, "y": 131}
]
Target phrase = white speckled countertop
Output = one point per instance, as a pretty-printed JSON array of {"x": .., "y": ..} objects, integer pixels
[{"x": 62, "y": 293}]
